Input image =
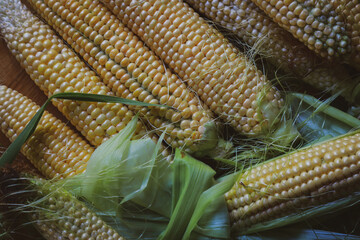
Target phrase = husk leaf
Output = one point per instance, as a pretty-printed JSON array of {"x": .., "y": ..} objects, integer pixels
[
  {"x": 149, "y": 198},
  {"x": 318, "y": 121}
]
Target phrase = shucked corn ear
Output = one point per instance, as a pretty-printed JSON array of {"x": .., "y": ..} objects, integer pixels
[
  {"x": 314, "y": 22},
  {"x": 54, "y": 149},
  {"x": 295, "y": 182},
  {"x": 256, "y": 29},
  {"x": 350, "y": 11},
  {"x": 130, "y": 69},
  {"x": 56, "y": 213},
  {"x": 55, "y": 68},
  {"x": 223, "y": 78}
]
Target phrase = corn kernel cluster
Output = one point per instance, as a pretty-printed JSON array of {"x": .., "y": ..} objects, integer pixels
[
  {"x": 350, "y": 11},
  {"x": 276, "y": 44},
  {"x": 315, "y": 23},
  {"x": 55, "y": 68},
  {"x": 53, "y": 148},
  {"x": 128, "y": 67},
  {"x": 298, "y": 181},
  {"x": 223, "y": 78},
  {"x": 59, "y": 214}
]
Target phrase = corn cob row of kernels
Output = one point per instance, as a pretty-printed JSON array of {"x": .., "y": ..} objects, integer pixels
[
  {"x": 350, "y": 11},
  {"x": 55, "y": 212},
  {"x": 315, "y": 23},
  {"x": 54, "y": 149},
  {"x": 130, "y": 69},
  {"x": 65, "y": 216},
  {"x": 224, "y": 79},
  {"x": 55, "y": 68},
  {"x": 277, "y": 45},
  {"x": 295, "y": 182}
]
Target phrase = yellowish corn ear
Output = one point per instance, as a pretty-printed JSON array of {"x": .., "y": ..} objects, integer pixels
[
  {"x": 131, "y": 70},
  {"x": 277, "y": 45},
  {"x": 55, "y": 212},
  {"x": 55, "y": 68},
  {"x": 296, "y": 182},
  {"x": 54, "y": 149},
  {"x": 350, "y": 11},
  {"x": 315, "y": 23},
  {"x": 223, "y": 78}
]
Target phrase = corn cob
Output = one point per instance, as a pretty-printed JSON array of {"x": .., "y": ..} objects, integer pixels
[
  {"x": 350, "y": 11},
  {"x": 55, "y": 212},
  {"x": 256, "y": 29},
  {"x": 130, "y": 69},
  {"x": 56, "y": 68},
  {"x": 54, "y": 149},
  {"x": 296, "y": 182},
  {"x": 224, "y": 79},
  {"x": 315, "y": 23}
]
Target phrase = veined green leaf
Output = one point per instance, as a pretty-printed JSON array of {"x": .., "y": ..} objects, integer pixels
[
  {"x": 318, "y": 121},
  {"x": 191, "y": 178},
  {"x": 14, "y": 148},
  {"x": 121, "y": 170},
  {"x": 144, "y": 196},
  {"x": 209, "y": 218}
]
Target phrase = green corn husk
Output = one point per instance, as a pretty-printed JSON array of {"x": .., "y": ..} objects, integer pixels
[
  {"x": 317, "y": 120},
  {"x": 193, "y": 200},
  {"x": 313, "y": 121},
  {"x": 145, "y": 196},
  {"x": 9, "y": 155}
]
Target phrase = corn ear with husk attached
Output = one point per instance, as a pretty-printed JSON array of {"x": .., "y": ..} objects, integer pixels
[
  {"x": 277, "y": 45},
  {"x": 132, "y": 71},
  {"x": 313, "y": 180},
  {"x": 224, "y": 79}
]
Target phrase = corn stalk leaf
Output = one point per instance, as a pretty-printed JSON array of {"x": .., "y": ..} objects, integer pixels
[
  {"x": 9, "y": 155},
  {"x": 317, "y": 120},
  {"x": 144, "y": 196}
]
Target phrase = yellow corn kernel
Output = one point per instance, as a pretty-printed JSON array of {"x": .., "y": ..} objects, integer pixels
[
  {"x": 56, "y": 213},
  {"x": 295, "y": 182},
  {"x": 128, "y": 67},
  {"x": 55, "y": 68},
  {"x": 54, "y": 149},
  {"x": 204, "y": 59},
  {"x": 350, "y": 11},
  {"x": 315, "y": 23},
  {"x": 276, "y": 44}
]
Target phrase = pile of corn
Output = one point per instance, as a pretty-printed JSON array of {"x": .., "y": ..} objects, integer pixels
[{"x": 164, "y": 52}]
